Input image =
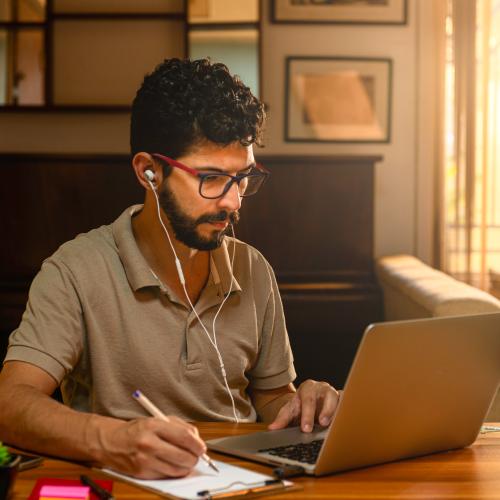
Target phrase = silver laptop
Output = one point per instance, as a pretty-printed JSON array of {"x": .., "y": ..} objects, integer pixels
[{"x": 415, "y": 388}]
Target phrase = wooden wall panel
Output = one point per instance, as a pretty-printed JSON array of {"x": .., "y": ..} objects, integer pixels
[
  {"x": 47, "y": 201},
  {"x": 312, "y": 220}
]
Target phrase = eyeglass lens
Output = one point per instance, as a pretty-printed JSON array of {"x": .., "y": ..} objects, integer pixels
[{"x": 215, "y": 186}]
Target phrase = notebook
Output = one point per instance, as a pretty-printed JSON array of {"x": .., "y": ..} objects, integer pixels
[
  {"x": 202, "y": 482},
  {"x": 43, "y": 481},
  {"x": 415, "y": 388}
]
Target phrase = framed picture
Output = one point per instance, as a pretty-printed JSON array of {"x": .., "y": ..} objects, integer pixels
[
  {"x": 340, "y": 11},
  {"x": 338, "y": 99}
]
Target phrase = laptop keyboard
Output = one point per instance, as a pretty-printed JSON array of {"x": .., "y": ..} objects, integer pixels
[{"x": 302, "y": 452}]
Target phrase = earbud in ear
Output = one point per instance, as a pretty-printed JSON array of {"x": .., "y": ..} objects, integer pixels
[{"x": 150, "y": 176}]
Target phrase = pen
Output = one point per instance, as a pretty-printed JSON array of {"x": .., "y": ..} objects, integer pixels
[
  {"x": 249, "y": 490},
  {"x": 156, "y": 412},
  {"x": 96, "y": 489}
]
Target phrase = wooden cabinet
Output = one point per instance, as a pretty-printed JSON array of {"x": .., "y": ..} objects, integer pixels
[{"x": 312, "y": 220}]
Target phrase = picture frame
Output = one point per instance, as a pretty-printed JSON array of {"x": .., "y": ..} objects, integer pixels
[
  {"x": 340, "y": 11},
  {"x": 338, "y": 99}
]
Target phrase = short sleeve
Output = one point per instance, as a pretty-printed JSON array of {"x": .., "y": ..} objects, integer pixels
[
  {"x": 274, "y": 365},
  {"x": 51, "y": 331}
]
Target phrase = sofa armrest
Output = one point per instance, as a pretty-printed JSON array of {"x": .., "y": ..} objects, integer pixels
[{"x": 414, "y": 290}]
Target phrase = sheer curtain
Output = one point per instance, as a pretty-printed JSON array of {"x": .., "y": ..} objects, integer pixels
[{"x": 471, "y": 212}]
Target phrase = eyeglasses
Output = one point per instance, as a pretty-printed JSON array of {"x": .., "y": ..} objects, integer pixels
[{"x": 215, "y": 185}]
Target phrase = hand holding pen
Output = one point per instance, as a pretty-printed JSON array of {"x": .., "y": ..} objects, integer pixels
[
  {"x": 147, "y": 448},
  {"x": 156, "y": 412}
]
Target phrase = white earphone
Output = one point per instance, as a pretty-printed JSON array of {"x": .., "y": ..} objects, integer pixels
[{"x": 150, "y": 177}]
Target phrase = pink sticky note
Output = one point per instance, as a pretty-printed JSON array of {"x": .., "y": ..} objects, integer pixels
[{"x": 73, "y": 492}]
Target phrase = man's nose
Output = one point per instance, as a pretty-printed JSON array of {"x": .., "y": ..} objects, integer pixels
[{"x": 231, "y": 200}]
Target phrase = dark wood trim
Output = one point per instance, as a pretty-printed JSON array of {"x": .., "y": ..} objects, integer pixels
[
  {"x": 63, "y": 158},
  {"x": 118, "y": 16},
  {"x": 13, "y": 97},
  {"x": 16, "y": 25},
  {"x": 312, "y": 278},
  {"x": 334, "y": 287},
  {"x": 328, "y": 298},
  {"x": 59, "y": 108},
  {"x": 186, "y": 29},
  {"x": 222, "y": 26},
  {"x": 10, "y": 64},
  {"x": 14, "y": 88},
  {"x": 48, "y": 82}
]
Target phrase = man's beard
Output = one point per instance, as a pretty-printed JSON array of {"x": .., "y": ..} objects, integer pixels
[{"x": 185, "y": 227}]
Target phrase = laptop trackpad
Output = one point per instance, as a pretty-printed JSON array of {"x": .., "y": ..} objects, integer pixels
[{"x": 252, "y": 443}]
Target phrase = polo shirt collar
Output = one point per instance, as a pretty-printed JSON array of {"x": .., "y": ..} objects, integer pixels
[
  {"x": 137, "y": 270},
  {"x": 222, "y": 260}
]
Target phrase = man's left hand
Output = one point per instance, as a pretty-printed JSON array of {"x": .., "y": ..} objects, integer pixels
[{"x": 313, "y": 402}]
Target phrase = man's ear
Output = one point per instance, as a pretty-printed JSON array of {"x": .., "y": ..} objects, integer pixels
[{"x": 143, "y": 162}]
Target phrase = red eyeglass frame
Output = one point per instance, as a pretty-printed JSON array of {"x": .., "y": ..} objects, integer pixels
[{"x": 235, "y": 178}]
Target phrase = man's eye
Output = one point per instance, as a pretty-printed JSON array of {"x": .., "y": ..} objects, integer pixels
[{"x": 210, "y": 178}]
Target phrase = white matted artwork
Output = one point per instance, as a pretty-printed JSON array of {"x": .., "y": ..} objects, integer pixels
[
  {"x": 337, "y": 99},
  {"x": 340, "y": 11}
]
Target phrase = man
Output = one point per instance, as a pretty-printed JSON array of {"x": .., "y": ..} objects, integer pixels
[{"x": 109, "y": 314}]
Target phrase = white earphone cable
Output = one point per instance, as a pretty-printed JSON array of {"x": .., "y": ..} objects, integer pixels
[{"x": 183, "y": 282}]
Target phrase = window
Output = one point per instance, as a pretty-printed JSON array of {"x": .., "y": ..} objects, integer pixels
[{"x": 472, "y": 171}]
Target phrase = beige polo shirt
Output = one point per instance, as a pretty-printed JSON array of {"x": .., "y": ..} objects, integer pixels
[{"x": 102, "y": 325}]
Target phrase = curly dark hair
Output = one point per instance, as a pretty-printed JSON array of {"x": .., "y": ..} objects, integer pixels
[{"x": 184, "y": 102}]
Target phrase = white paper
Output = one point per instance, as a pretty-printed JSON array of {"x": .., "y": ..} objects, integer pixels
[{"x": 200, "y": 479}]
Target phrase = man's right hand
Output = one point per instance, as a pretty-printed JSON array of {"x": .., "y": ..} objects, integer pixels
[
  {"x": 146, "y": 448},
  {"x": 150, "y": 448}
]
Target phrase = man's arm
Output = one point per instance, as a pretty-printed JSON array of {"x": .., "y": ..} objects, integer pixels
[
  {"x": 287, "y": 407},
  {"x": 145, "y": 448},
  {"x": 268, "y": 403}
]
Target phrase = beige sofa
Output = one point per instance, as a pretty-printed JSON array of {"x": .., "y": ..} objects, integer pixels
[{"x": 414, "y": 290}]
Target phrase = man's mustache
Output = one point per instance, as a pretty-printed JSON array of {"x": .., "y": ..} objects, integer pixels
[{"x": 233, "y": 217}]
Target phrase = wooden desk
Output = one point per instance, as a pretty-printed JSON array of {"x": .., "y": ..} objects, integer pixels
[{"x": 468, "y": 473}]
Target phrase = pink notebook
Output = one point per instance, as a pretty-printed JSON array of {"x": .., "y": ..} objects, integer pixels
[{"x": 35, "y": 494}]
